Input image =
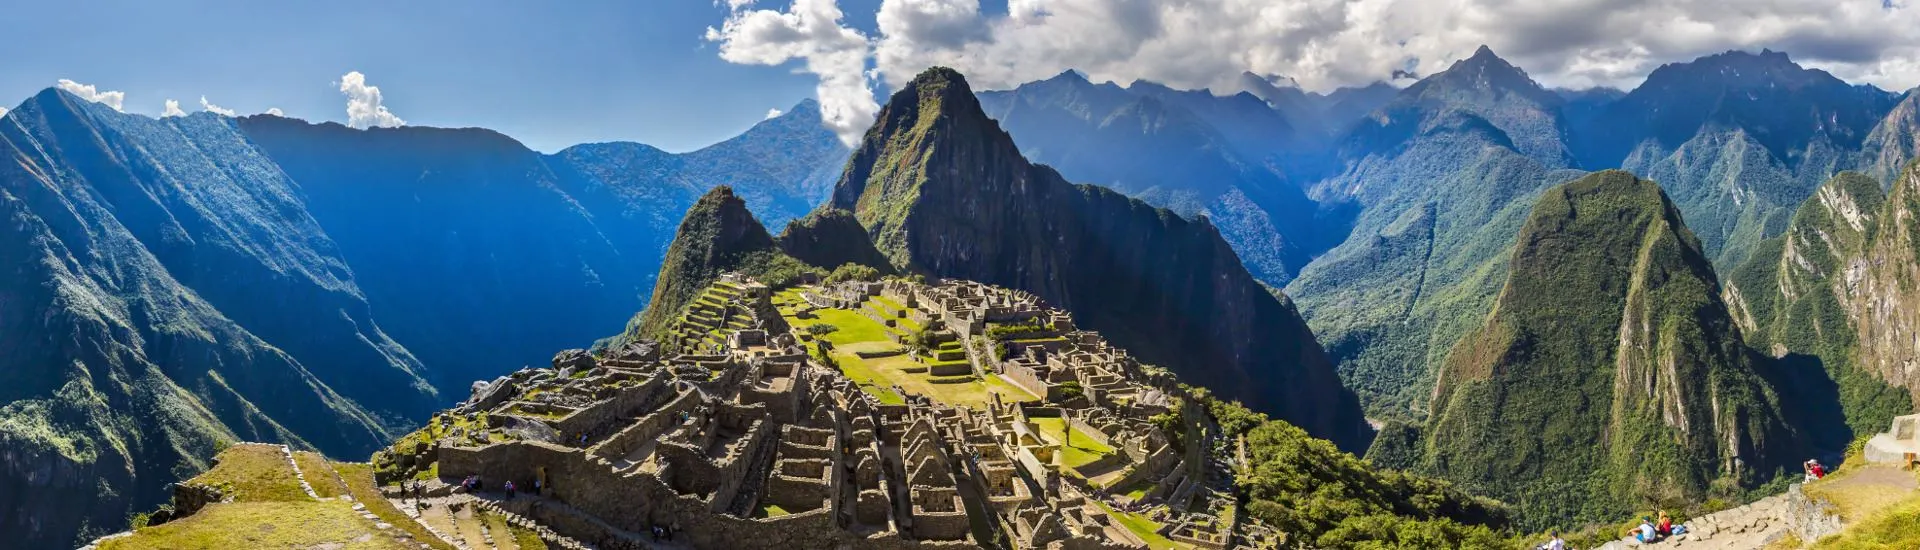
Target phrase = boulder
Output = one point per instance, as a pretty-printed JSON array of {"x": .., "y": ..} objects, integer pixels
[{"x": 576, "y": 359}]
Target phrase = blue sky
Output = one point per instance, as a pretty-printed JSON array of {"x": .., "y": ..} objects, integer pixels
[
  {"x": 595, "y": 71},
  {"x": 558, "y": 74}
]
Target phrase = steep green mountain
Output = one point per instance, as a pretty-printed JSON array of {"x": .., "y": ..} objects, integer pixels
[
  {"x": 1797, "y": 299},
  {"x": 1190, "y": 152},
  {"x": 1888, "y": 288},
  {"x": 166, "y": 292},
  {"x": 1609, "y": 374},
  {"x": 188, "y": 281},
  {"x": 1739, "y": 140},
  {"x": 469, "y": 243},
  {"x": 1893, "y": 142},
  {"x": 941, "y": 188},
  {"x": 717, "y": 235},
  {"x": 831, "y": 238},
  {"x": 1440, "y": 191}
]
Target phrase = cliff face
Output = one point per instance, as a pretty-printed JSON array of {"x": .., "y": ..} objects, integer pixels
[
  {"x": 166, "y": 290},
  {"x": 1797, "y": 299},
  {"x": 1888, "y": 280},
  {"x": 942, "y": 189},
  {"x": 1891, "y": 144},
  {"x": 1609, "y": 330}
]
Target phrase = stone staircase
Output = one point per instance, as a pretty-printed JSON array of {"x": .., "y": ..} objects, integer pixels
[{"x": 477, "y": 523}]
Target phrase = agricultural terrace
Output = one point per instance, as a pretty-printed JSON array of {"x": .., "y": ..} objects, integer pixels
[{"x": 855, "y": 333}]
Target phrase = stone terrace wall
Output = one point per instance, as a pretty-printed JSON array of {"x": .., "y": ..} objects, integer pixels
[
  {"x": 610, "y": 411},
  {"x": 648, "y": 428}
]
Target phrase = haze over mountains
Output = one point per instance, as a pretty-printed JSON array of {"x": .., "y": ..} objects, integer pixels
[{"x": 183, "y": 282}]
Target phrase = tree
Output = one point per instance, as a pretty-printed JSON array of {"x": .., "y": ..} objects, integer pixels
[
  {"x": 853, "y": 272},
  {"x": 1071, "y": 390},
  {"x": 822, "y": 329}
]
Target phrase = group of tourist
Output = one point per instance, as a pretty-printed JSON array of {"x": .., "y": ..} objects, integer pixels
[{"x": 1648, "y": 531}]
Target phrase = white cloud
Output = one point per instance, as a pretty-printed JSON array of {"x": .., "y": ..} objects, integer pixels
[
  {"x": 771, "y": 113},
  {"x": 173, "y": 110},
  {"x": 215, "y": 109},
  {"x": 3, "y": 111},
  {"x": 275, "y": 111},
  {"x": 363, "y": 104},
  {"x": 1323, "y": 44},
  {"x": 89, "y": 93},
  {"x": 809, "y": 31}
]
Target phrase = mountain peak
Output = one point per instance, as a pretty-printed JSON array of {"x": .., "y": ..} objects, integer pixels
[{"x": 1484, "y": 53}]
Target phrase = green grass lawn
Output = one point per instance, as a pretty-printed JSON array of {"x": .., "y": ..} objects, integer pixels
[
  {"x": 319, "y": 474},
  {"x": 1141, "y": 527},
  {"x": 287, "y": 525},
  {"x": 1136, "y": 491},
  {"x": 1084, "y": 449},
  {"x": 854, "y": 327},
  {"x": 773, "y": 511},
  {"x": 259, "y": 473}
]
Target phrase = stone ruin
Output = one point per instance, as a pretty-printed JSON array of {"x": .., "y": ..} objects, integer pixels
[
  {"x": 1899, "y": 445},
  {"x": 742, "y": 440}
]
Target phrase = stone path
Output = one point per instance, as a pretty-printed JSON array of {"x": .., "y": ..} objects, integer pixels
[
  {"x": 287, "y": 452},
  {"x": 1765, "y": 521}
]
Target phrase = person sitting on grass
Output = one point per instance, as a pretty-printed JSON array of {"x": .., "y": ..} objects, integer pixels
[{"x": 1556, "y": 544}]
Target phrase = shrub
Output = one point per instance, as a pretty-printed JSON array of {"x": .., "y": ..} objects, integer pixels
[
  {"x": 853, "y": 272},
  {"x": 822, "y": 329}
]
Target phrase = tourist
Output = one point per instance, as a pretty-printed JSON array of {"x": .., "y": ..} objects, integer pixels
[
  {"x": 1665, "y": 529},
  {"x": 1819, "y": 471},
  {"x": 1645, "y": 533},
  {"x": 1556, "y": 544},
  {"x": 509, "y": 487},
  {"x": 536, "y": 487}
]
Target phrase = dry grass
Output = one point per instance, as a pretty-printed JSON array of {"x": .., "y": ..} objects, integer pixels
[
  {"x": 257, "y": 473},
  {"x": 319, "y": 474},
  {"x": 267, "y": 525}
]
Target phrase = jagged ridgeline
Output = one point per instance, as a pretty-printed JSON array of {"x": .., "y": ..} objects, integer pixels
[
  {"x": 942, "y": 189},
  {"x": 1609, "y": 373}
]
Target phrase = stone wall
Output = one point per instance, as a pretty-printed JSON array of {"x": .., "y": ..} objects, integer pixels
[
  {"x": 623, "y": 404},
  {"x": 649, "y": 428}
]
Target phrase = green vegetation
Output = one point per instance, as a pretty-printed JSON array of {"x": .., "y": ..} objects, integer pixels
[
  {"x": 1142, "y": 527},
  {"x": 1076, "y": 451},
  {"x": 1897, "y": 526},
  {"x": 267, "y": 525},
  {"x": 832, "y": 237},
  {"x": 853, "y": 328},
  {"x": 1018, "y": 330},
  {"x": 772, "y": 511},
  {"x": 822, "y": 329},
  {"x": 1606, "y": 282},
  {"x": 717, "y": 235},
  {"x": 1787, "y": 300},
  {"x": 853, "y": 272},
  {"x": 1308, "y": 487}
]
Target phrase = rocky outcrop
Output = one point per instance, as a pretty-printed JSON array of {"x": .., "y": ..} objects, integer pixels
[
  {"x": 941, "y": 188},
  {"x": 1610, "y": 329}
]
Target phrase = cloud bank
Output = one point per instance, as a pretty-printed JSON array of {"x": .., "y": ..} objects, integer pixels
[
  {"x": 810, "y": 31},
  {"x": 215, "y": 109},
  {"x": 1320, "y": 44},
  {"x": 363, "y": 104},
  {"x": 173, "y": 110},
  {"x": 87, "y": 92}
]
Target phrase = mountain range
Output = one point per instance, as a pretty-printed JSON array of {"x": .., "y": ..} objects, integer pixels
[
  {"x": 182, "y": 283},
  {"x": 1414, "y": 255}
]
